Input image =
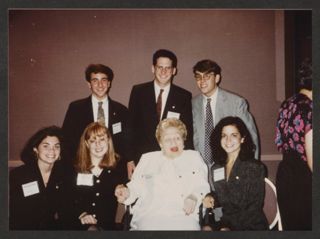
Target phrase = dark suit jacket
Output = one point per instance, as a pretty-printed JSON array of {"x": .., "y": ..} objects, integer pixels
[
  {"x": 80, "y": 114},
  {"x": 242, "y": 196},
  {"x": 37, "y": 211},
  {"x": 143, "y": 116}
]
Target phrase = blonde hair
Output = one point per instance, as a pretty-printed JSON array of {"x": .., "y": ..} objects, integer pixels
[
  {"x": 83, "y": 162},
  {"x": 171, "y": 122}
]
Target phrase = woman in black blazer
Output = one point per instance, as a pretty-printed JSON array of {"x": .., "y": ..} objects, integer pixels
[
  {"x": 98, "y": 169},
  {"x": 237, "y": 178},
  {"x": 37, "y": 187}
]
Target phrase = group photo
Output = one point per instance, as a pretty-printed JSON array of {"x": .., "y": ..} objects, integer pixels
[{"x": 160, "y": 120}]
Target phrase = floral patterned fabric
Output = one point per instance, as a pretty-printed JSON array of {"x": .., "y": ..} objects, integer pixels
[{"x": 294, "y": 121}]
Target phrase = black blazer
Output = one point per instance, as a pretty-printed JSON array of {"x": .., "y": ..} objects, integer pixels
[
  {"x": 40, "y": 211},
  {"x": 80, "y": 114},
  {"x": 143, "y": 116},
  {"x": 242, "y": 196},
  {"x": 98, "y": 200}
]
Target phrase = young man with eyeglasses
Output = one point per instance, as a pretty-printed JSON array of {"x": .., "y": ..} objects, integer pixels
[
  {"x": 155, "y": 100},
  {"x": 215, "y": 103}
]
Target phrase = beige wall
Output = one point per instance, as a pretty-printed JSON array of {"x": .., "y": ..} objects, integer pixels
[{"x": 49, "y": 50}]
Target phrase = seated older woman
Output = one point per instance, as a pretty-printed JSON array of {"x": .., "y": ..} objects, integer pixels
[{"x": 168, "y": 185}]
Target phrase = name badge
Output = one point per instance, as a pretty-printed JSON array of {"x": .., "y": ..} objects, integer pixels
[
  {"x": 116, "y": 128},
  {"x": 30, "y": 188},
  {"x": 173, "y": 115},
  {"x": 85, "y": 179},
  {"x": 218, "y": 174}
]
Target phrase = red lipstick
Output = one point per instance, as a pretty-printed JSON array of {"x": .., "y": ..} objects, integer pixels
[{"x": 174, "y": 149}]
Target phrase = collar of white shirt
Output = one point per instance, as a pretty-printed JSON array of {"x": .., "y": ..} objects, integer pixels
[{"x": 158, "y": 88}]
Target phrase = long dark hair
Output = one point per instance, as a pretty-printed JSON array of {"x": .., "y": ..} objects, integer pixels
[
  {"x": 27, "y": 154},
  {"x": 305, "y": 74},
  {"x": 247, "y": 147}
]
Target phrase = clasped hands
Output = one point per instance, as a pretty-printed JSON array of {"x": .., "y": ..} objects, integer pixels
[{"x": 86, "y": 218}]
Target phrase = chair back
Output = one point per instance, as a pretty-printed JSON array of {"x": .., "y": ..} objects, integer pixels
[{"x": 270, "y": 208}]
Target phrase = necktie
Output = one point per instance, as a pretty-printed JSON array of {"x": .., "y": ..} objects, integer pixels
[
  {"x": 100, "y": 117},
  {"x": 159, "y": 104},
  {"x": 208, "y": 131}
]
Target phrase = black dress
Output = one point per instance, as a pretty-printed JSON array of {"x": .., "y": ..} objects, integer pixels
[
  {"x": 294, "y": 177},
  {"x": 43, "y": 207}
]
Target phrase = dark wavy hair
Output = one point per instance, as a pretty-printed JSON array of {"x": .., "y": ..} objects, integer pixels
[
  {"x": 98, "y": 68},
  {"x": 305, "y": 74},
  {"x": 207, "y": 66},
  {"x": 27, "y": 154},
  {"x": 165, "y": 53},
  {"x": 247, "y": 147}
]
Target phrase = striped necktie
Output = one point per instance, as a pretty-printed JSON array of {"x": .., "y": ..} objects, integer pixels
[{"x": 208, "y": 132}]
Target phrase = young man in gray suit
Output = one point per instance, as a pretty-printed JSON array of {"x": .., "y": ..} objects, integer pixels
[{"x": 213, "y": 104}]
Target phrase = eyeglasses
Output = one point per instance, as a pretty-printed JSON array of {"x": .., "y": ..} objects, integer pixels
[
  {"x": 166, "y": 68},
  {"x": 204, "y": 76}
]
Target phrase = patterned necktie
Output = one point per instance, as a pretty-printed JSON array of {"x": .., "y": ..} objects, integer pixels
[
  {"x": 159, "y": 104},
  {"x": 208, "y": 131},
  {"x": 100, "y": 117}
]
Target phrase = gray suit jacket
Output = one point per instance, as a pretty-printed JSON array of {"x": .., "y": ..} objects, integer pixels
[{"x": 228, "y": 104}]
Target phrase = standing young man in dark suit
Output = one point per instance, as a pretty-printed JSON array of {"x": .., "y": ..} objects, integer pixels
[
  {"x": 85, "y": 111},
  {"x": 146, "y": 112}
]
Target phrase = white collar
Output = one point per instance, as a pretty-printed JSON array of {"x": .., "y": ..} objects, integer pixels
[
  {"x": 158, "y": 88},
  {"x": 95, "y": 101},
  {"x": 213, "y": 97}
]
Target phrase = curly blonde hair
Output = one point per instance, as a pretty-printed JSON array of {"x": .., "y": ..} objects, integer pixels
[{"x": 171, "y": 122}]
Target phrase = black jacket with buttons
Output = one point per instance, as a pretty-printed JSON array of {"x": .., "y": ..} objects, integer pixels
[
  {"x": 98, "y": 200},
  {"x": 40, "y": 211},
  {"x": 242, "y": 196}
]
